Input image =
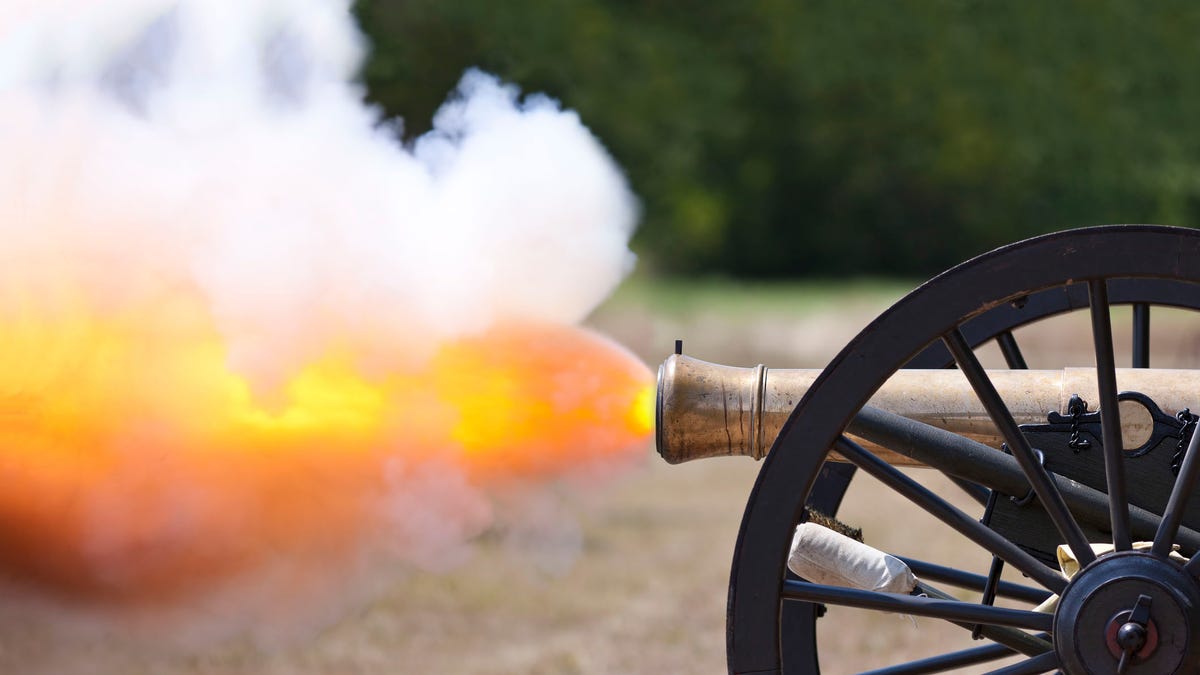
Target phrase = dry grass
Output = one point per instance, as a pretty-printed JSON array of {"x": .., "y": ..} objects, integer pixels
[{"x": 647, "y": 591}]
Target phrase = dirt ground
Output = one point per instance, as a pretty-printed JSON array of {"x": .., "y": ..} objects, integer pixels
[{"x": 646, "y": 590}]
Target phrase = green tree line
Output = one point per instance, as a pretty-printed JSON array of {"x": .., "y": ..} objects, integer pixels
[{"x": 774, "y": 138}]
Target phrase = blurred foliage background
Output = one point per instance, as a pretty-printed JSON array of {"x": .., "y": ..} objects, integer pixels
[{"x": 771, "y": 138}]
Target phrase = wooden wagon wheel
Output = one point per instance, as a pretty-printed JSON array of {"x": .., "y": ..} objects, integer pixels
[{"x": 771, "y": 617}]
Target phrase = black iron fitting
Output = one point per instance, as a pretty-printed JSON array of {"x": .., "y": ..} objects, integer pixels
[
  {"x": 1187, "y": 427},
  {"x": 1076, "y": 407},
  {"x": 1031, "y": 494}
]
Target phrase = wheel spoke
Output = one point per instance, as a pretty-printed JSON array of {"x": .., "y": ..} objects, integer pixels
[
  {"x": 976, "y": 582},
  {"x": 1110, "y": 415},
  {"x": 1010, "y": 350},
  {"x": 1141, "y": 335},
  {"x": 1017, "y": 640},
  {"x": 937, "y": 608},
  {"x": 945, "y": 662},
  {"x": 1039, "y": 478},
  {"x": 1038, "y": 664},
  {"x": 949, "y": 514}
]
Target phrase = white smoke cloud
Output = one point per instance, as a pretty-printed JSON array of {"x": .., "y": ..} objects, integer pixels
[{"x": 224, "y": 143}]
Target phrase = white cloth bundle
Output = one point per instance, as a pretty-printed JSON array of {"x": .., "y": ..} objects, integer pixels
[{"x": 823, "y": 556}]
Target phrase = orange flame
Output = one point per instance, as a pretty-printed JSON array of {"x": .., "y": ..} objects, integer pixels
[{"x": 137, "y": 467}]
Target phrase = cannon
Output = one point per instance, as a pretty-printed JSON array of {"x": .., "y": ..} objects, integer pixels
[{"x": 1078, "y": 478}]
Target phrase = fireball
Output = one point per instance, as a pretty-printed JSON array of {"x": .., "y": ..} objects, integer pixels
[{"x": 139, "y": 468}]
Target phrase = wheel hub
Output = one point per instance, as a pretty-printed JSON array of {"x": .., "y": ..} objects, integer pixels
[{"x": 1129, "y": 613}]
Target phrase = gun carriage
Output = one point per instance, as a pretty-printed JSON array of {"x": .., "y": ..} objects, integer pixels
[{"x": 1083, "y": 475}]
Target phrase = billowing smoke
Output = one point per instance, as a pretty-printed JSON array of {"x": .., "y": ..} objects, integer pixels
[
  {"x": 252, "y": 341},
  {"x": 224, "y": 144}
]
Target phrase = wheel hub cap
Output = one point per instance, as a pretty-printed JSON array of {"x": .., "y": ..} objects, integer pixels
[{"x": 1129, "y": 613}]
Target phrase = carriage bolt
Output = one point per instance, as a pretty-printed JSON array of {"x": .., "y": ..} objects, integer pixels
[{"x": 1132, "y": 635}]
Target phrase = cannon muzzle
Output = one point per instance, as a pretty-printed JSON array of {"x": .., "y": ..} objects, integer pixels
[{"x": 710, "y": 410}]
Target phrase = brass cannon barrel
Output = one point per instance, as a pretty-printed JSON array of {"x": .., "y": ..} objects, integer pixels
[{"x": 710, "y": 410}]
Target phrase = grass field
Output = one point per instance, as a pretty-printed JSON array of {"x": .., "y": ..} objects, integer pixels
[{"x": 645, "y": 590}]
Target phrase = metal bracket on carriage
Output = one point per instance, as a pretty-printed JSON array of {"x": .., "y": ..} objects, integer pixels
[
  {"x": 1144, "y": 424},
  {"x": 1030, "y": 495},
  {"x": 1151, "y": 440}
]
